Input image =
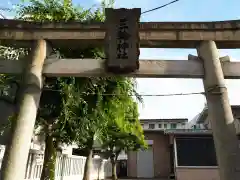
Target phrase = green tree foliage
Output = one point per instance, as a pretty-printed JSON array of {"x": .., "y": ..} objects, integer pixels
[
  {"x": 123, "y": 135},
  {"x": 52, "y": 118},
  {"x": 103, "y": 104}
]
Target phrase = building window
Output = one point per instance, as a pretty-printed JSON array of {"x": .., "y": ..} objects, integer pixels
[
  {"x": 165, "y": 126},
  {"x": 151, "y": 126},
  {"x": 142, "y": 125},
  {"x": 160, "y": 126},
  {"x": 173, "y": 126},
  {"x": 196, "y": 151}
]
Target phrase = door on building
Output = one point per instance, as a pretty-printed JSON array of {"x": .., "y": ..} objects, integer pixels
[
  {"x": 122, "y": 168},
  {"x": 145, "y": 167}
]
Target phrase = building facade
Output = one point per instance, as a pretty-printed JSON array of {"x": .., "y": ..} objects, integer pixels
[
  {"x": 157, "y": 160},
  {"x": 184, "y": 152},
  {"x": 163, "y": 124},
  {"x": 180, "y": 154}
]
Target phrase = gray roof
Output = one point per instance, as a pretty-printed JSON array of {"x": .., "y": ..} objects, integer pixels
[{"x": 203, "y": 115}]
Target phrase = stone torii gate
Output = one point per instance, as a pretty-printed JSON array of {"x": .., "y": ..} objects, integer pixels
[{"x": 204, "y": 36}]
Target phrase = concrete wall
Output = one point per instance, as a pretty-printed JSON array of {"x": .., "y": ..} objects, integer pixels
[
  {"x": 194, "y": 173},
  {"x": 161, "y": 156},
  {"x": 132, "y": 164},
  {"x": 163, "y": 124}
]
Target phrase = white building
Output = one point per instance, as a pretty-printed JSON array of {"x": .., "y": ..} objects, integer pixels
[{"x": 163, "y": 124}]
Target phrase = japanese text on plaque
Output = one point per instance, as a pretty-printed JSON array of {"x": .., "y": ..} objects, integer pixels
[{"x": 122, "y": 39}]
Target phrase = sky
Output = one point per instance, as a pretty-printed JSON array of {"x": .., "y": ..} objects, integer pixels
[{"x": 183, "y": 10}]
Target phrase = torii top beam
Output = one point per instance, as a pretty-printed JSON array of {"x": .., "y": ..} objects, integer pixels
[{"x": 226, "y": 34}]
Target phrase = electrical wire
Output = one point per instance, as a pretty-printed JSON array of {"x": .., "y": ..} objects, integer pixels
[
  {"x": 144, "y": 95},
  {"x": 150, "y": 95},
  {"x": 150, "y": 10}
]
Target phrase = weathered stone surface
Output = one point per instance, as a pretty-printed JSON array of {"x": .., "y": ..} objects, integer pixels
[
  {"x": 226, "y": 34},
  {"x": 212, "y": 25}
]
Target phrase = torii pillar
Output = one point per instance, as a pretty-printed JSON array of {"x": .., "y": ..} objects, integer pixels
[
  {"x": 221, "y": 117},
  {"x": 16, "y": 153}
]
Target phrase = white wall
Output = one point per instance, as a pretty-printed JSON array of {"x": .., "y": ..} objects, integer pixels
[
  {"x": 122, "y": 156},
  {"x": 145, "y": 125},
  {"x": 67, "y": 167}
]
